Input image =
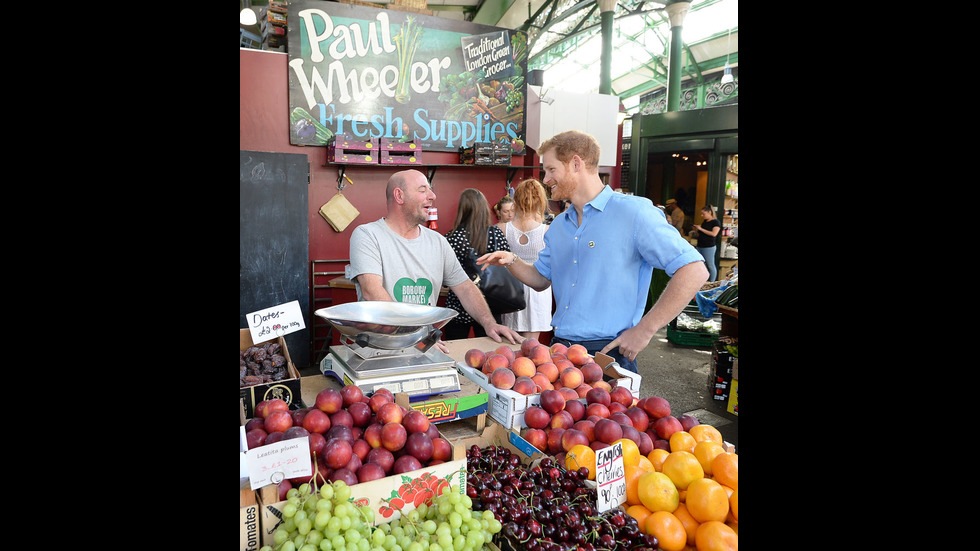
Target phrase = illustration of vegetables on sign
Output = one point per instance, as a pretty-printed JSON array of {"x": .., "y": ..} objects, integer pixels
[
  {"x": 374, "y": 73},
  {"x": 413, "y": 492}
]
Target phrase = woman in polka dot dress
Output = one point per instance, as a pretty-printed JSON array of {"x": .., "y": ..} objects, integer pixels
[{"x": 472, "y": 219}]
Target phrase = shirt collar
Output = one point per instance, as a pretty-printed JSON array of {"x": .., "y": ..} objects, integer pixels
[{"x": 600, "y": 201}]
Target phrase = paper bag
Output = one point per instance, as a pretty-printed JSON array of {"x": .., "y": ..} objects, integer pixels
[{"x": 338, "y": 212}]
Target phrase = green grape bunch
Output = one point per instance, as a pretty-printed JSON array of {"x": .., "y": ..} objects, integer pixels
[{"x": 327, "y": 520}]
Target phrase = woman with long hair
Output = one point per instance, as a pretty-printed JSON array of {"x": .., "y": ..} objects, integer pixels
[
  {"x": 472, "y": 229},
  {"x": 707, "y": 232},
  {"x": 525, "y": 236}
]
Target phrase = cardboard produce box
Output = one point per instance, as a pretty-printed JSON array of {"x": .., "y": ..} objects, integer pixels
[
  {"x": 507, "y": 406},
  {"x": 375, "y": 492},
  {"x": 248, "y": 521},
  {"x": 504, "y": 406},
  {"x": 412, "y": 488},
  {"x": 287, "y": 390}
]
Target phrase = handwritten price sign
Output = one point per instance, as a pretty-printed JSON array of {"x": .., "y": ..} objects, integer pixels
[
  {"x": 285, "y": 459},
  {"x": 610, "y": 477},
  {"x": 275, "y": 322}
]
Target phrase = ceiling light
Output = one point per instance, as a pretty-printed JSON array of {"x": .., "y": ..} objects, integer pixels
[
  {"x": 247, "y": 17},
  {"x": 727, "y": 77}
]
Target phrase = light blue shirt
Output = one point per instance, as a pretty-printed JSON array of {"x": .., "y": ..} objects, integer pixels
[{"x": 600, "y": 270}]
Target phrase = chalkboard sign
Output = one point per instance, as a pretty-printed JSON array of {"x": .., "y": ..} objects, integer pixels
[{"x": 274, "y": 239}]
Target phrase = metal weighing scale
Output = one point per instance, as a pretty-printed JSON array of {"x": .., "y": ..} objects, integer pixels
[{"x": 390, "y": 345}]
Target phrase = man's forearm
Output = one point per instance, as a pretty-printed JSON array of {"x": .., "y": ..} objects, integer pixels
[
  {"x": 528, "y": 274},
  {"x": 681, "y": 288},
  {"x": 473, "y": 302}
]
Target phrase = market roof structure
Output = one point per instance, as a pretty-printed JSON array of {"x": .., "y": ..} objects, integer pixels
[{"x": 565, "y": 40}]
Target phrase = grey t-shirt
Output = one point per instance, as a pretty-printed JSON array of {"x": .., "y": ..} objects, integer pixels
[{"x": 413, "y": 270}]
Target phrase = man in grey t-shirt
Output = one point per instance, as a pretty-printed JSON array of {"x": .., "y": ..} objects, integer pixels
[{"x": 397, "y": 258}]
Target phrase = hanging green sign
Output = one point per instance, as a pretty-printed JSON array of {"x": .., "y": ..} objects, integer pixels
[{"x": 374, "y": 73}]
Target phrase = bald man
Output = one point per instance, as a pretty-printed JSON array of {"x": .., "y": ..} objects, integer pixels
[{"x": 397, "y": 258}]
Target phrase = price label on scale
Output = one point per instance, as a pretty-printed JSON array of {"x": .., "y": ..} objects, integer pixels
[
  {"x": 610, "y": 477},
  {"x": 275, "y": 322},
  {"x": 272, "y": 463}
]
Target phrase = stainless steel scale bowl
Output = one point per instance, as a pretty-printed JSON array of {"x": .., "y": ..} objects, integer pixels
[{"x": 389, "y": 344}]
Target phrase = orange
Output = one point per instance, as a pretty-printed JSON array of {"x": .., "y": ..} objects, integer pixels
[
  {"x": 682, "y": 468},
  {"x": 733, "y": 504},
  {"x": 690, "y": 524},
  {"x": 581, "y": 455},
  {"x": 639, "y": 512},
  {"x": 657, "y": 492},
  {"x": 631, "y": 452},
  {"x": 707, "y": 500},
  {"x": 632, "y": 476},
  {"x": 703, "y": 433},
  {"x": 724, "y": 469},
  {"x": 682, "y": 441},
  {"x": 644, "y": 463},
  {"x": 715, "y": 536},
  {"x": 668, "y": 530},
  {"x": 706, "y": 451},
  {"x": 656, "y": 457}
]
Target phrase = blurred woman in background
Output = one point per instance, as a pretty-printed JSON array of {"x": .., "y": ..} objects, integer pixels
[
  {"x": 525, "y": 236},
  {"x": 707, "y": 234},
  {"x": 472, "y": 229},
  {"x": 504, "y": 209}
]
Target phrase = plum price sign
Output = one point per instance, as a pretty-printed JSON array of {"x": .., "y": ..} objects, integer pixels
[
  {"x": 275, "y": 322},
  {"x": 273, "y": 463},
  {"x": 610, "y": 477}
]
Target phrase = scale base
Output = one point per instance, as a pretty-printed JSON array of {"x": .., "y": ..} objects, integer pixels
[{"x": 415, "y": 374}]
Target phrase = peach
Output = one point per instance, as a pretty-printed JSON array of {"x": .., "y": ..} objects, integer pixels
[
  {"x": 578, "y": 355},
  {"x": 656, "y": 407},
  {"x": 558, "y": 348},
  {"x": 561, "y": 420},
  {"x": 554, "y": 440},
  {"x": 603, "y": 385},
  {"x": 587, "y": 426},
  {"x": 666, "y": 426},
  {"x": 576, "y": 408},
  {"x": 506, "y": 352},
  {"x": 552, "y": 401},
  {"x": 572, "y": 437},
  {"x": 527, "y": 345},
  {"x": 562, "y": 364},
  {"x": 525, "y": 386},
  {"x": 622, "y": 395},
  {"x": 549, "y": 370},
  {"x": 568, "y": 393},
  {"x": 598, "y": 396},
  {"x": 539, "y": 354},
  {"x": 503, "y": 378},
  {"x": 542, "y": 381},
  {"x": 599, "y": 410},
  {"x": 474, "y": 358},
  {"x": 592, "y": 372},
  {"x": 494, "y": 362},
  {"x": 583, "y": 389},
  {"x": 537, "y": 438},
  {"x": 572, "y": 377},
  {"x": 523, "y": 367}
]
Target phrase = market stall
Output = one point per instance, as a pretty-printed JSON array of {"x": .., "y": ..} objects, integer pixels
[{"x": 559, "y": 452}]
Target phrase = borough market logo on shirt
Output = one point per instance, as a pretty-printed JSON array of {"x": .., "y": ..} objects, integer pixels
[{"x": 413, "y": 292}]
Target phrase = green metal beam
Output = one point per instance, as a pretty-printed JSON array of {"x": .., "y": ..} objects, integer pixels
[{"x": 491, "y": 11}]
